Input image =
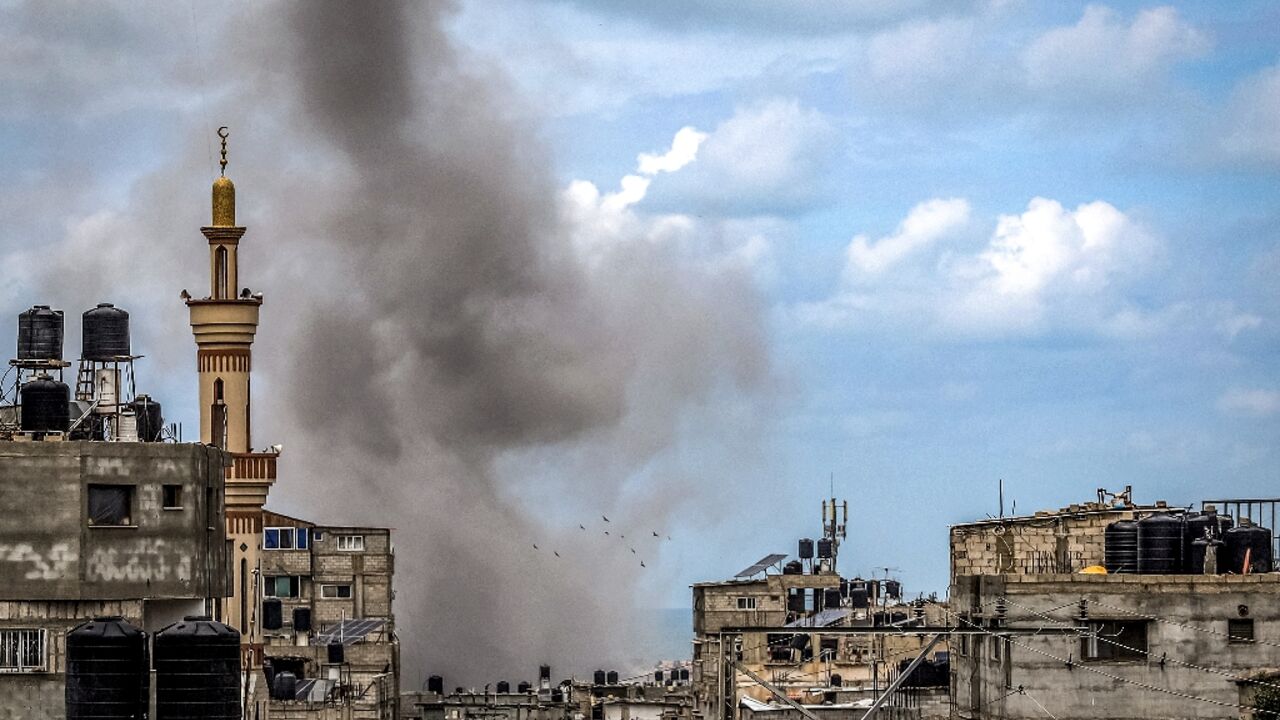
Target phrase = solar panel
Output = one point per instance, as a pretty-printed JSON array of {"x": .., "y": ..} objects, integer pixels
[
  {"x": 350, "y": 631},
  {"x": 761, "y": 564}
]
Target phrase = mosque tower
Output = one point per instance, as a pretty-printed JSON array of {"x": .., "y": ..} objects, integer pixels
[{"x": 224, "y": 325}]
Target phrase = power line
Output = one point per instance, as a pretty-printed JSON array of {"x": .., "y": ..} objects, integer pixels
[
  {"x": 1163, "y": 659},
  {"x": 1103, "y": 673}
]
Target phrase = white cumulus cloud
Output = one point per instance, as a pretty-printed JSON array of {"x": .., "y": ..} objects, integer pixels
[
  {"x": 1250, "y": 131},
  {"x": 1102, "y": 52},
  {"x": 684, "y": 150},
  {"x": 924, "y": 225}
]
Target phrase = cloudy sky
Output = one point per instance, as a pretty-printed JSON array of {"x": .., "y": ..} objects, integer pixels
[{"x": 684, "y": 263}]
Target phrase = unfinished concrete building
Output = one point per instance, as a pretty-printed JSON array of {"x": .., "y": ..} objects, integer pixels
[{"x": 1058, "y": 620}]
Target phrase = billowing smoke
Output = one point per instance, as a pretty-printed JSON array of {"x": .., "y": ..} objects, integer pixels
[
  {"x": 453, "y": 345},
  {"x": 476, "y": 368}
]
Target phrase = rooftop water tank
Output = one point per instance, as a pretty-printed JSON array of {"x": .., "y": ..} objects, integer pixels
[
  {"x": 612, "y": 677},
  {"x": 150, "y": 418},
  {"x": 824, "y": 548},
  {"x": 598, "y": 677},
  {"x": 893, "y": 589},
  {"x": 435, "y": 684},
  {"x": 793, "y": 568},
  {"x": 1160, "y": 545},
  {"x": 108, "y": 675},
  {"x": 197, "y": 665},
  {"x": 1247, "y": 540},
  {"x": 45, "y": 405},
  {"x": 1120, "y": 547},
  {"x": 806, "y": 549},
  {"x": 284, "y": 686},
  {"x": 524, "y": 687},
  {"x": 106, "y": 333},
  {"x": 40, "y": 334},
  {"x": 503, "y": 686}
]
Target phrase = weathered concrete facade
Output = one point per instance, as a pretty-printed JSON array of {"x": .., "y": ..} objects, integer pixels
[
  {"x": 165, "y": 558},
  {"x": 337, "y": 573},
  {"x": 1167, "y": 620}
]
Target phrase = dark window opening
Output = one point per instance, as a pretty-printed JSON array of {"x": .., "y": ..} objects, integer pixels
[
  {"x": 221, "y": 262},
  {"x": 110, "y": 504},
  {"x": 1240, "y": 631},
  {"x": 1115, "y": 640},
  {"x": 281, "y": 586},
  {"x": 172, "y": 497},
  {"x": 335, "y": 592}
]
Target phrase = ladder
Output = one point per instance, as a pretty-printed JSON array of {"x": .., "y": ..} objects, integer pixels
[{"x": 85, "y": 383}]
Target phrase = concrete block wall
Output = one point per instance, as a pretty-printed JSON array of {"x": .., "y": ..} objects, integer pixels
[{"x": 1063, "y": 542}]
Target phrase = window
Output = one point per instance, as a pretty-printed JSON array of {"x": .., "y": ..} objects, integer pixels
[
  {"x": 221, "y": 265},
  {"x": 1240, "y": 631},
  {"x": 284, "y": 538},
  {"x": 335, "y": 592},
  {"x": 317, "y": 535},
  {"x": 280, "y": 586},
  {"x": 22, "y": 650},
  {"x": 110, "y": 505},
  {"x": 351, "y": 542},
  {"x": 1115, "y": 640},
  {"x": 746, "y": 603},
  {"x": 172, "y": 497}
]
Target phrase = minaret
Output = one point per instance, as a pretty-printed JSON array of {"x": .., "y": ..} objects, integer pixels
[{"x": 224, "y": 324}]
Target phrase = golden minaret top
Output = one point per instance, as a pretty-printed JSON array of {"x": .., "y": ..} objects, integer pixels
[{"x": 224, "y": 192}]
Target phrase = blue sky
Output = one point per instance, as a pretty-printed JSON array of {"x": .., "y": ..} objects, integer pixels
[
  {"x": 1091, "y": 305},
  {"x": 914, "y": 247}
]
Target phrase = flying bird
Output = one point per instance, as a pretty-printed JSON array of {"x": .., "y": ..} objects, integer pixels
[
  {"x": 641, "y": 563},
  {"x": 553, "y": 552},
  {"x": 605, "y": 518},
  {"x": 633, "y": 551},
  {"x": 184, "y": 294},
  {"x": 582, "y": 527},
  {"x": 624, "y": 537},
  {"x": 535, "y": 546},
  {"x": 606, "y": 532},
  {"x": 655, "y": 533}
]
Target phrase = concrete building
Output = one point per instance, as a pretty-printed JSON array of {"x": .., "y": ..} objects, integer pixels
[
  {"x": 325, "y": 585},
  {"x": 762, "y": 635},
  {"x": 1045, "y": 638},
  {"x": 91, "y": 529}
]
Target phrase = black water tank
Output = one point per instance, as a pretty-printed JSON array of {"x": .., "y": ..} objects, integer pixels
[
  {"x": 150, "y": 418},
  {"x": 435, "y": 684},
  {"x": 858, "y": 597},
  {"x": 544, "y": 672},
  {"x": 1196, "y": 526},
  {"x": 824, "y": 547},
  {"x": 1197, "y": 552},
  {"x": 1246, "y": 539},
  {"x": 503, "y": 686},
  {"x": 806, "y": 549},
  {"x": 46, "y": 405},
  {"x": 40, "y": 334},
  {"x": 557, "y": 695},
  {"x": 893, "y": 589},
  {"x": 1120, "y": 547},
  {"x": 831, "y": 598},
  {"x": 657, "y": 676},
  {"x": 524, "y": 687},
  {"x": 795, "y": 600},
  {"x": 1160, "y": 545},
  {"x": 836, "y": 680},
  {"x": 106, "y": 333},
  {"x": 793, "y": 568},
  {"x": 844, "y": 587},
  {"x": 598, "y": 677},
  {"x": 272, "y": 614},
  {"x": 684, "y": 674},
  {"x": 197, "y": 664},
  {"x": 337, "y": 653},
  {"x": 302, "y": 619},
  {"x": 284, "y": 686},
  {"x": 108, "y": 675},
  {"x": 612, "y": 677}
]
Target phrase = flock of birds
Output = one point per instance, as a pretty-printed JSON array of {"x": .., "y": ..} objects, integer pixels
[{"x": 620, "y": 536}]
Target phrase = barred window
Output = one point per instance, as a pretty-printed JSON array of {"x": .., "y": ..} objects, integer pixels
[{"x": 22, "y": 650}]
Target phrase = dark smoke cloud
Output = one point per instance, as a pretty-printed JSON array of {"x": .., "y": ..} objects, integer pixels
[
  {"x": 466, "y": 375},
  {"x": 444, "y": 349}
]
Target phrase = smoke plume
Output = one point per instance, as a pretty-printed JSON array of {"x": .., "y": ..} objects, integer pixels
[{"x": 477, "y": 368}]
